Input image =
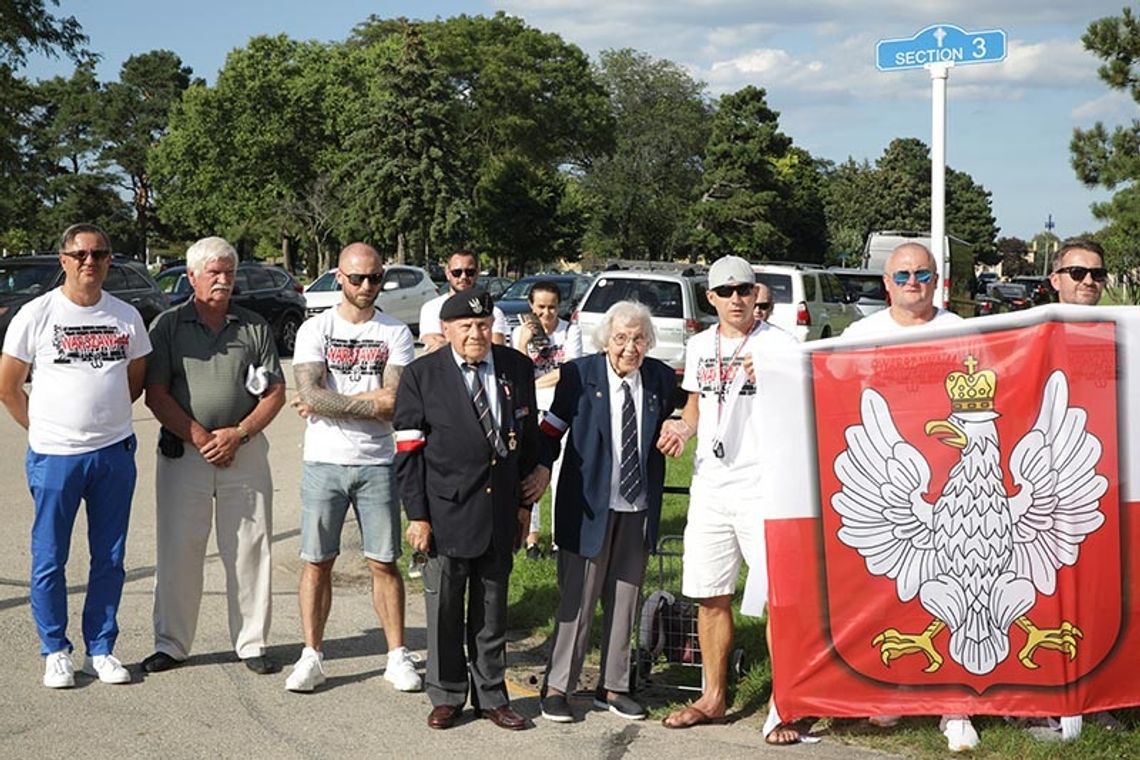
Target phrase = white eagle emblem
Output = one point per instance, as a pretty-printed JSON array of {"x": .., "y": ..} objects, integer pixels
[
  {"x": 977, "y": 557},
  {"x": 476, "y": 305}
]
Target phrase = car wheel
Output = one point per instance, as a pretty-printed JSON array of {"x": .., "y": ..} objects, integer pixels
[
  {"x": 826, "y": 333},
  {"x": 287, "y": 334}
]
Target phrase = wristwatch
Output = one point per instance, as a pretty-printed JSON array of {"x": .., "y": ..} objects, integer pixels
[{"x": 242, "y": 432}]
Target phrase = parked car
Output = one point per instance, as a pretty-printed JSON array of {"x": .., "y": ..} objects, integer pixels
[
  {"x": 983, "y": 282},
  {"x": 514, "y": 301},
  {"x": 809, "y": 303},
  {"x": 268, "y": 290},
  {"x": 1005, "y": 296},
  {"x": 676, "y": 299},
  {"x": 22, "y": 278},
  {"x": 1040, "y": 288},
  {"x": 866, "y": 288},
  {"x": 403, "y": 291}
]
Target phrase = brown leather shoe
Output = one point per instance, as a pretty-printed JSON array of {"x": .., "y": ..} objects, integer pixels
[
  {"x": 505, "y": 717},
  {"x": 444, "y": 716}
]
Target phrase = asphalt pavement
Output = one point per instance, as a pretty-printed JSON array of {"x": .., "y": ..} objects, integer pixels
[{"x": 215, "y": 707}]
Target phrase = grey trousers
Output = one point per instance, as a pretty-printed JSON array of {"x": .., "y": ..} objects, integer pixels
[
  {"x": 481, "y": 623},
  {"x": 615, "y": 575},
  {"x": 191, "y": 495}
]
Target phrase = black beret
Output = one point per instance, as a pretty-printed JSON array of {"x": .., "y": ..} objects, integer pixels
[{"x": 470, "y": 303}]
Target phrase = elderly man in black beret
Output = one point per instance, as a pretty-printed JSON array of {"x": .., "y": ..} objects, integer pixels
[{"x": 466, "y": 443}]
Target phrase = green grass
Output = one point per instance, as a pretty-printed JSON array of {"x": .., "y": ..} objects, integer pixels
[{"x": 534, "y": 597}]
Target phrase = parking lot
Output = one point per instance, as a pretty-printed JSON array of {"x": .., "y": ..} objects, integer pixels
[{"x": 214, "y": 707}]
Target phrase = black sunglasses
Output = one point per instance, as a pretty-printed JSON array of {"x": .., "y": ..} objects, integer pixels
[
  {"x": 457, "y": 273},
  {"x": 765, "y": 305},
  {"x": 358, "y": 279},
  {"x": 726, "y": 291},
  {"x": 98, "y": 254},
  {"x": 1099, "y": 274}
]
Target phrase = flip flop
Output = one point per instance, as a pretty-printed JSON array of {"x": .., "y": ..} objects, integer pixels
[{"x": 690, "y": 716}]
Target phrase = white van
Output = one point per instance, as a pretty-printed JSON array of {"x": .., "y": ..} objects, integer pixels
[{"x": 955, "y": 266}]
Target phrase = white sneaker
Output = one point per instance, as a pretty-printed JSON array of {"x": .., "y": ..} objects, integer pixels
[
  {"x": 59, "y": 672},
  {"x": 106, "y": 668},
  {"x": 401, "y": 670},
  {"x": 959, "y": 732},
  {"x": 308, "y": 672}
]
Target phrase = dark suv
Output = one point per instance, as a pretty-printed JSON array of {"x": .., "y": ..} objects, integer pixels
[
  {"x": 22, "y": 278},
  {"x": 270, "y": 291}
]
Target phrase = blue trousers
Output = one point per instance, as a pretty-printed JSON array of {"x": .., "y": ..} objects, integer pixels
[{"x": 105, "y": 480}]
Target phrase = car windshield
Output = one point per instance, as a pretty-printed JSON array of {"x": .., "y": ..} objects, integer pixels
[
  {"x": 864, "y": 285},
  {"x": 34, "y": 278},
  {"x": 780, "y": 285},
  {"x": 1009, "y": 290},
  {"x": 520, "y": 289},
  {"x": 173, "y": 283},
  {"x": 663, "y": 297},
  {"x": 324, "y": 284}
]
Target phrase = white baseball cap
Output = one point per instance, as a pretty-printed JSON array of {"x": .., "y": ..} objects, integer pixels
[{"x": 730, "y": 270}]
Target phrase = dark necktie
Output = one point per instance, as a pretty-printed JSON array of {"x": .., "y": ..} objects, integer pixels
[
  {"x": 483, "y": 409},
  {"x": 630, "y": 460}
]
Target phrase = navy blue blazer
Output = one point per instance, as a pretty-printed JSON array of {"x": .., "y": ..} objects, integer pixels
[
  {"x": 582, "y": 402},
  {"x": 447, "y": 471}
]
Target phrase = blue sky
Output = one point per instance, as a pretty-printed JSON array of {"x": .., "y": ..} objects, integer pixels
[{"x": 1009, "y": 123}]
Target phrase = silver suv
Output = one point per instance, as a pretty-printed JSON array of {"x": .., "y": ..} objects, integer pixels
[
  {"x": 808, "y": 302},
  {"x": 676, "y": 299}
]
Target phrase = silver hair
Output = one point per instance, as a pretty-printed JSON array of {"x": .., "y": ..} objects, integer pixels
[
  {"x": 624, "y": 312},
  {"x": 209, "y": 249}
]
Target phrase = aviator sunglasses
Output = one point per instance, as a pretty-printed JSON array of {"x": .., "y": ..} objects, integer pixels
[
  {"x": 470, "y": 272},
  {"x": 921, "y": 276},
  {"x": 1099, "y": 274}
]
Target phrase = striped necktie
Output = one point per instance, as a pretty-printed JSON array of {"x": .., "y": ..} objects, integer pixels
[
  {"x": 483, "y": 409},
  {"x": 630, "y": 486}
]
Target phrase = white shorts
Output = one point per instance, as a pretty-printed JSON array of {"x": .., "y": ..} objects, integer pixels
[{"x": 721, "y": 531}]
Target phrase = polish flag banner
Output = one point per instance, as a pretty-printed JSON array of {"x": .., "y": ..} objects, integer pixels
[{"x": 953, "y": 523}]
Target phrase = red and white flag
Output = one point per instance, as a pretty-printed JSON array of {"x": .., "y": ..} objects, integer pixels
[{"x": 954, "y": 519}]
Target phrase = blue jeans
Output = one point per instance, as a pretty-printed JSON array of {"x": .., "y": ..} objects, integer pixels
[
  {"x": 327, "y": 491},
  {"x": 105, "y": 480}
]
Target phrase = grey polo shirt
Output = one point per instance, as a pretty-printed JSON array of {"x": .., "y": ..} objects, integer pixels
[{"x": 205, "y": 372}]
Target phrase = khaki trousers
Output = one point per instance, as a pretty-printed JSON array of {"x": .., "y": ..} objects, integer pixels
[{"x": 238, "y": 500}]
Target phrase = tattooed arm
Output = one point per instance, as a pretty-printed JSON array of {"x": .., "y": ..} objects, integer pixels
[
  {"x": 385, "y": 396},
  {"x": 315, "y": 399}
]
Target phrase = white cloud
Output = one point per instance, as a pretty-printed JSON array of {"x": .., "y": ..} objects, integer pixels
[{"x": 1115, "y": 107}]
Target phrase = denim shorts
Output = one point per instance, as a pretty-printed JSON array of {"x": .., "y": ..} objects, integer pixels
[{"x": 327, "y": 490}]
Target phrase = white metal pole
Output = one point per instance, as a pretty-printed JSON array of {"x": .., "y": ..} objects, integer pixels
[{"x": 939, "y": 73}]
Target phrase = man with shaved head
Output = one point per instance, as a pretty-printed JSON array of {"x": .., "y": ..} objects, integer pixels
[
  {"x": 347, "y": 364},
  {"x": 911, "y": 278}
]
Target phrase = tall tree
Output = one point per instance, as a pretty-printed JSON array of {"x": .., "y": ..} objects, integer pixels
[
  {"x": 895, "y": 194},
  {"x": 26, "y": 26},
  {"x": 64, "y": 143},
  {"x": 233, "y": 152},
  {"x": 1013, "y": 254},
  {"x": 1112, "y": 159},
  {"x": 136, "y": 110},
  {"x": 639, "y": 195},
  {"x": 402, "y": 174},
  {"x": 742, "y": 207}
]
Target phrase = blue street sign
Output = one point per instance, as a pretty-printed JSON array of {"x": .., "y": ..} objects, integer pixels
[{"x": 940, "y": 43}]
